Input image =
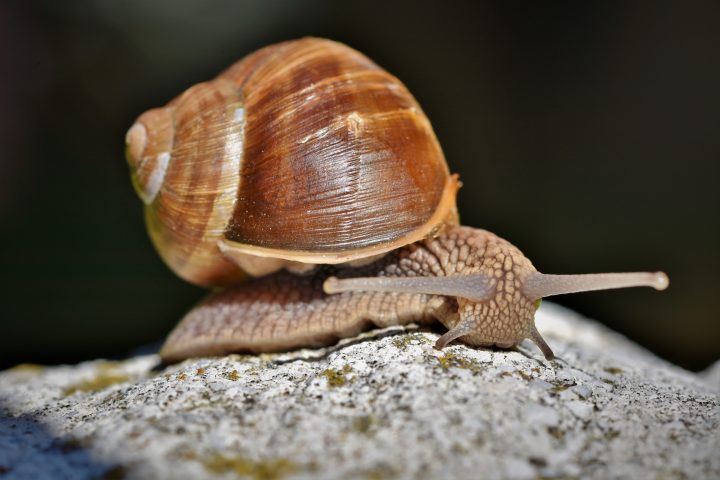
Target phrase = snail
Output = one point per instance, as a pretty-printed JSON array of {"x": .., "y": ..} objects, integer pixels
[{"x": 307, "y": 187}]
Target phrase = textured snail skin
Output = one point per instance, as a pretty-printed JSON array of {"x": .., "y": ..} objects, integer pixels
[{"x": 285, "y": 311}]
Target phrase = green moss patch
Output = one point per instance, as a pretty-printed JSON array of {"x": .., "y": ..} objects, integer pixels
[
  {"x": 403, "y": 341},
  {"x": 267, "y": 469},
  {"x": 107, "y": 375},
  {"x": 449, "y": 359},
  {"x": 614, "y": 370},
  {"x": 364, "y": 423},
  {"x": 32, "y": 368},
  {"x": 337, "y": 378},
  {"x": 100, "y": 382}
]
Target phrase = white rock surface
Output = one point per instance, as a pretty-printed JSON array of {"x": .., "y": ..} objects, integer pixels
[{"x": 383, "y": 407}]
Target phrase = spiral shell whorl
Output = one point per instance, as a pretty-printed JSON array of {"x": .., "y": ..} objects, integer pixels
[
  {"x": 149, "y": 144},
  {"x": 187, "y": 210}
]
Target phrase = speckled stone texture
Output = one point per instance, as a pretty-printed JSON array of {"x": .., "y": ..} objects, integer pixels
[{"x": 386, "y": 405}]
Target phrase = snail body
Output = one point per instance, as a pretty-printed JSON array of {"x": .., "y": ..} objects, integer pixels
[
  {"x": 285, "y": 311},
  {"x": 308, "y": 183}
]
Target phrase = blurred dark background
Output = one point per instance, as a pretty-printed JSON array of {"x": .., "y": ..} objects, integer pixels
[{"x": 585, "y": 132}]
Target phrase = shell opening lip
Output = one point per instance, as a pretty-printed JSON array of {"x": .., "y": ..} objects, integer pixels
[{"x": 445, "y": 210}]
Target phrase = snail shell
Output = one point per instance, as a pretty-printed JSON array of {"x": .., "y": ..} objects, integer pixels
[{"x": 304, "y": 151}]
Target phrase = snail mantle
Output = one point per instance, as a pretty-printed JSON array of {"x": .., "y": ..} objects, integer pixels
[{"x": 387, "y": 407}]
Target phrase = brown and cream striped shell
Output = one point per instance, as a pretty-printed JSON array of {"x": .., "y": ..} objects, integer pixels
[{"x": 304, "y": 151}]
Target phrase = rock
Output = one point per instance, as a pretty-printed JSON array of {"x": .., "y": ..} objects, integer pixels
[
  {"x": 712, "y": 374},
  {"x": 385, "y": 405}
]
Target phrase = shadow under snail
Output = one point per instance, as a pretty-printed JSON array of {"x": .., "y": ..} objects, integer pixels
[{"x": 307, "y": 183}]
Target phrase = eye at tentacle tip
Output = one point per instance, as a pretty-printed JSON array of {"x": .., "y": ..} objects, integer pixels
[{"x": 662, "y": 281}]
